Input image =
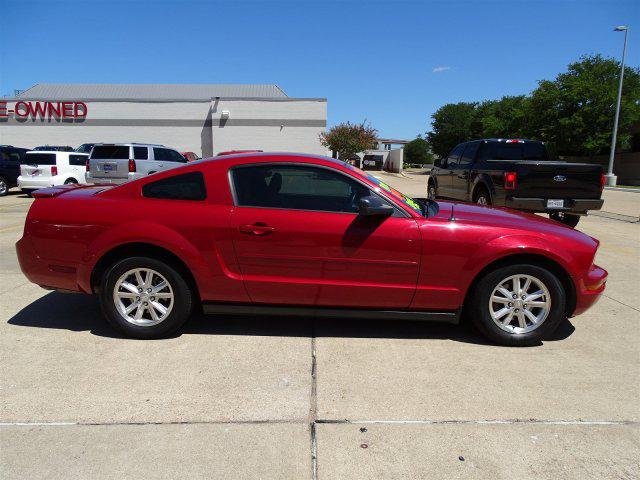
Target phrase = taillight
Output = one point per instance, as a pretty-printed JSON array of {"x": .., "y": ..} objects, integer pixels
[
  {"x": 87, "y": 165},
  {"x": 54, "y": 171},
  {"x": 132, "y": 165},
  {"x": 603, "y": 181},
  {"x": 510, "y": 180}
]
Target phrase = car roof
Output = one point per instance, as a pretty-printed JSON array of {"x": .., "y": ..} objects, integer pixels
[
  {"x": 135, "y": 144},
  {"x": 58, "y": 152},
  {"x": 259, "y": 157}
]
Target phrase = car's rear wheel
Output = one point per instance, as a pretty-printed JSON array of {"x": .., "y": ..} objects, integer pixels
[
  {"x": 145, "y": 298},
  {"x": 70, "y": 181},
  {"x": 4, "y": 187},
  {"x": 432, "y": 192},
  {"x": 566, "y": 218},
  {"x": 518, "y": 305}
]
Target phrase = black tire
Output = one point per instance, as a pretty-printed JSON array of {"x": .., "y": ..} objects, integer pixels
[
  {"x": 70, "y": 181},
  {"x": 183, "y": 300},
  {"x": 432, "y": 191},
  {"x": 482, "y": 197},
  {"x": 4, "y": 187},
  {"x": 566, "y": 218},
  {"x": 481, "y": 316}
]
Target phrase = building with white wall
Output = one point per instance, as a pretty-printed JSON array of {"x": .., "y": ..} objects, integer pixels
[{"x": 205, "y": 119}]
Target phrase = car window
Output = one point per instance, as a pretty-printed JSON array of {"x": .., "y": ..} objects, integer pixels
[
  {"x": 160, "y": 154},
  {"x": 455, "y": 154},
  {"x": 77, "y": 160},
  {"x": 105, "y": 152},
  {"x": 11, "y": 156},
  {"x": 534, "y": 151},
  {"x": 469, "y": 153},
  {"x": 41, "y": 159},
  {"x": 174, "y": 156},
  {"x": 297, "y": 188},
  {"x": 141, "y": 153},
  {"x": 188, "y": 186}
]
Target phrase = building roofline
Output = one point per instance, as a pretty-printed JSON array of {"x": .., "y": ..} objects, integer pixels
[{"x": 162, "y": 100}]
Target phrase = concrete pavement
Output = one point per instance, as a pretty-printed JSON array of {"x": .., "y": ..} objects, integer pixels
[{"x": 236, "y": 397}]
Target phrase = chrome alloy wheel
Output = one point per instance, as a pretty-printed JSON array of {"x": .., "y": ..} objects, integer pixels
[
  {"x": 3, "y": 186},
  {"x": 143, "y": 297},
  {"x": 431, "y": 192},
  {"x": 482, "y": 200},
  {"x": 519, "y": 304}
]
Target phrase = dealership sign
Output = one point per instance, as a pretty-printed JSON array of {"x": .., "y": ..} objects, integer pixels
[{"x": 24, "y": 110}]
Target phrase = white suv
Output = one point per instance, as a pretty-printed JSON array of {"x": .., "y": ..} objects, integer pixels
[
  {"x": 43, "y": 169},
  {"x": 121, "y": 162}
]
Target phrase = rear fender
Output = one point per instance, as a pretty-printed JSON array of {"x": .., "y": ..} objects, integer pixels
[
  {"x": 140, "y": 232},
  {"x": 483, "y": 180}
]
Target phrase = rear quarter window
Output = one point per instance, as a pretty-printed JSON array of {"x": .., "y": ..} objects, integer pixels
[
  {"x": 106, "y": 152},
  {"x": 188, "y": 186},
  {"x": 78, "y": 160}
]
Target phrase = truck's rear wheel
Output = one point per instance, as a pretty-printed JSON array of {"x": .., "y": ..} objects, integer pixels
[
  {"x": 145, "y": 298},
  {"x": 566, "y": 218},
  {"x": 432, "y": 193},
  {"x": 482, "y": 197},
  {"x": 4, "y": 187}
]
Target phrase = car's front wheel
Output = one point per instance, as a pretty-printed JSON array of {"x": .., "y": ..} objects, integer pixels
[
  {"x": 518, "y": 305},
  {"x": 145, "y": 298},
  {"x": 4, "y": 187}
]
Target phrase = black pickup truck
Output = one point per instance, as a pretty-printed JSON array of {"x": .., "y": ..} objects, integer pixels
[{"x": 518, "y": 174}]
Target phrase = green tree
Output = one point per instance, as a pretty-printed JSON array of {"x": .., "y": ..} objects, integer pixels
[
  {"x": 417, "y": 151},
  {"x": 347, "y": 139},
  {"x": 575, "y": 111},
  {"x": 504, "y": 118},
  {"x": 453, "y": 123}
]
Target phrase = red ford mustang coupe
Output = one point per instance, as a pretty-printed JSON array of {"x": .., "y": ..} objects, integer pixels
[{"x": 292, "y": 234}]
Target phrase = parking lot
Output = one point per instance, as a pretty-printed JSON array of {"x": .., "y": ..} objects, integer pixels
[{"x": 270, "y": 398}]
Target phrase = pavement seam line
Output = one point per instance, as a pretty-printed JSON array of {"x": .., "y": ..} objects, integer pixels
[
  {"x": 621, "y": 303},
  {"x": 329, "y": 422},
  {"x": 313, "y": 404}
]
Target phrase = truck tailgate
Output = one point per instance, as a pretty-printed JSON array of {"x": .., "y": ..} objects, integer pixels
[{"x": 558, "y": 180}]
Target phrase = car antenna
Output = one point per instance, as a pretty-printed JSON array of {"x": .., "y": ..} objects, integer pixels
[{"x": 452, "y": 218}]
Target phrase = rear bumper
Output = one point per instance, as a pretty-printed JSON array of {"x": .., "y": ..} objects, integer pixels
[
  {"x": 577, "y": 205},
  {"x": 589, "y": 288},
  {"x": 27, "y": 183},
  {"x": 111, "y": 180},
  {"x": 51, "y": 276}
]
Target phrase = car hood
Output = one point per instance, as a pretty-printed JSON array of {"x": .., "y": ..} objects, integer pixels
[{"x": 514, "y": 220}]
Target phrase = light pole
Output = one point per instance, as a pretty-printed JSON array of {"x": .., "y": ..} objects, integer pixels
[{"x": 611, "y": 178}]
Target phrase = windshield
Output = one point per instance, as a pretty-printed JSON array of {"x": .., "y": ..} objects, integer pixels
[{"x": 408, "y": 201}]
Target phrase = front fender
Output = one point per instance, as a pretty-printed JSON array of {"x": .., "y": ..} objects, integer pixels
[{"x": 517, "y": 244}]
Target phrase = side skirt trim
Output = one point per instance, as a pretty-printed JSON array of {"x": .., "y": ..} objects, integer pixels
[{"x": 301, "y": 311}]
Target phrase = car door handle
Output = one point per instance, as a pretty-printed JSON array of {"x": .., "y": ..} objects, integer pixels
[{"x": 256, "y": 229}]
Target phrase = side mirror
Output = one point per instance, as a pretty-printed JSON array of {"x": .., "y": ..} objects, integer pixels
[{"x": 373, "y": 206}]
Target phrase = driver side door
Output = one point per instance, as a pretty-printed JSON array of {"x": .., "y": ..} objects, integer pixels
[{"x": 299, "y": 240}]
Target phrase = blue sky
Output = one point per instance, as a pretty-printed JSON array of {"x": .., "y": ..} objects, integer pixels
[{"x": 392, "y": 63}]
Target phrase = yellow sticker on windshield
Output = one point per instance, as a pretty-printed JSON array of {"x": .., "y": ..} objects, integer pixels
[{"x": 412, "y": 203}]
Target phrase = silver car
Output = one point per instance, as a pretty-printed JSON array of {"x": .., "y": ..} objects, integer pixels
[{"x": 122, "y": 162}]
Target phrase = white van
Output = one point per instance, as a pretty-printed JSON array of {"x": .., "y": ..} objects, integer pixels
[{"x": 43, "y": 169}]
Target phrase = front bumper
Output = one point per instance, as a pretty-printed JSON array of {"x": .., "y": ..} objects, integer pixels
[
  {"x": 589, "y": 288},
  {"x": 573, "y": 205}
]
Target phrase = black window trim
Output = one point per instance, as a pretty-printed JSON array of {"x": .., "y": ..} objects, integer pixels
[{"x": 396, "y": 207}]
